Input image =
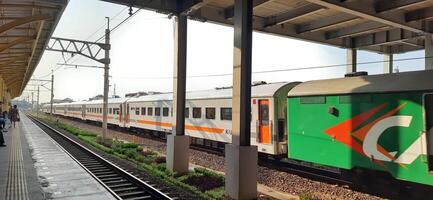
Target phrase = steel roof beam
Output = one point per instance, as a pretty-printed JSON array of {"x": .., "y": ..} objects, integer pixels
[
  {"x": 35, "y": 45},
  {"x": 293, "y": 14},
  {"x": 421, "y": 14},
  {"x": 382, "y": 38},
  {"x": 16, "y": 42},
  {"x": 387, "y": 5},
  {"x": 325, "y": 23},
  {"x": 366, "y": 10},
  {"x": 229, "y": 12},
  {"x": 161, "y": 6},
  {"x": 354, "y": 30},
  {"x": 21, "y": 21}
]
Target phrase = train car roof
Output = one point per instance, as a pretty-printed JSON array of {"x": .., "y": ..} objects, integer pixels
[
  {"x": 265, "y": 90},
  {"x": 383, "y": 83}
]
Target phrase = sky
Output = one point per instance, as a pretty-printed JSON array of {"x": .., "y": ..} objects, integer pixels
[{"x": 142, "y": 55}]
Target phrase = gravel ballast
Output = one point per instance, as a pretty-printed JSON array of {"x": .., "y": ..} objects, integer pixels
[{"x": 282, "y": 181}]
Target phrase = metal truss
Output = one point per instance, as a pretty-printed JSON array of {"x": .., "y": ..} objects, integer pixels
[{"x": 80, "y": 47}]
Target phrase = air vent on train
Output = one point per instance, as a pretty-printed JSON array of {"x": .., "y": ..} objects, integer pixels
[{"x": 353, "y": 74}]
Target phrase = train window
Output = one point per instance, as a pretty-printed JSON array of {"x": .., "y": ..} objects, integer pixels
[
  {"x": 165, "y": 111},
  {"x": 264, "y": 114},
  {"x": 226, "y": 113},
  {"x": 157, "y": 111},
  {"x": 313, "y": 100},
  {"x": 210, "y": 113},
  {"x": 143, "y": 110},
  {"x": 137, "y": 111},
  {"x": 110, "y": 111},
  {"x": 428, "y": 106},
  {"x": 186, "y": 112},
  {"x": 196, "y": 112},
  {"x": 171, "y": 112},
  {"x": 149, "y": 111},
  {"x": 347, "y": 99}
]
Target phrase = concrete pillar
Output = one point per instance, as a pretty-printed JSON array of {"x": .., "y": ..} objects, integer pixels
[
  {"x": 388, "y": 63},
  {"x": 240, "y": 157},
  {"x": 178, "y": 142},
  {"x": 351, "y": 60},
  {"x": 429, "y": 51}
]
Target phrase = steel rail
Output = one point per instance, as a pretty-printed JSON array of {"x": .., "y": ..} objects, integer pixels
[{"x": 120, "y": 183}]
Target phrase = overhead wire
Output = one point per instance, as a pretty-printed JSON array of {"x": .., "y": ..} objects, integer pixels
[
  {"x": 91, "y": 35},
  {"x": 286, "y": 69}
]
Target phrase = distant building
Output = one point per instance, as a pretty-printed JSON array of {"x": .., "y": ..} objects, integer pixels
[
  {"x": 66, "y": 100},
  {"x": 97, "y": 97}
]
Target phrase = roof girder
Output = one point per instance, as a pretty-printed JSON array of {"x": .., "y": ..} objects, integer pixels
[
  {"x": 366, "y": 10},
  {"x": 21, "y": 21},
  {"x": 387, "y": 5}
]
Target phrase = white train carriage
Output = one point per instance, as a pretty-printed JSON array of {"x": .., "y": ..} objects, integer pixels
[{"x": 208, "y": 115}]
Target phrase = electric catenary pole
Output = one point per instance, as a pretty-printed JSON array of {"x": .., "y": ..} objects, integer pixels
[
  {"x": 85, "y": 48},
  {"x": 106, "y": 82}
]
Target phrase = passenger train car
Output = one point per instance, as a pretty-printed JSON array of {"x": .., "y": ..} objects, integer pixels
[
  {"x": 376, "y": 123},
  {"x": 208, "y": 115},
  {"x": 379, "y": 122}
]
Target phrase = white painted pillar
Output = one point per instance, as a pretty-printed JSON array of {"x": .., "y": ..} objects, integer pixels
[
  {"x": 351, "y": 60},
  {"x": 388, "y": 63},
  {"x": 429, "y": 51},
  {"x": 178, "y": 142}
]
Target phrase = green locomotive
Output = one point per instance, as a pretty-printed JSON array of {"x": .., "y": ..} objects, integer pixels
[{"x": 378, "y": 122}]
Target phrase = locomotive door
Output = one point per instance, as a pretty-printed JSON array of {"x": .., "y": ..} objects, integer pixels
[{"x": 264, "y": 130}]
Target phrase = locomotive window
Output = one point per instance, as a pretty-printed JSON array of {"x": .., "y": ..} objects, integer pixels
[
  {"x": 137, "y": 111},
  {"x": 157, "y": 111},
  {"x": 186, "y": 112},
  {"x": 196, "y": 112},
  {"x": 312, "y": 100},
  {"x": 226, "y": 113},
  {"x": 110, "y": 111},
  {"x": 143, "y": 111},
  {"x": 428, "y": 106},
  {"x": 165, "y": 111},
  {"x": 210, "y": 113},
  {"x": 150, "y": 111},
  {"x": 347, "y": 99}
]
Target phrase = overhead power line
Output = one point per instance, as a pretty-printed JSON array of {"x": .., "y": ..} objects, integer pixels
[{"x": 286, "y": 69}]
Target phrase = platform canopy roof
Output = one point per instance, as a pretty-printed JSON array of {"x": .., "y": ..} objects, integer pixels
[
  {"x": 383, "y": 26},
  {"x": 25, "y": 28}
]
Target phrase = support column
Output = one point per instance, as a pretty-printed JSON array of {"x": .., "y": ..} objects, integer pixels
[
  {"x": 388, "y": 63},
  {"x": 52, "y": 93},
  {"x": 429, "y": 51},
  {"x": 178, "y": 142},
  {"x": 240, "y": 156},
  {"x": 351, "y": 60}
]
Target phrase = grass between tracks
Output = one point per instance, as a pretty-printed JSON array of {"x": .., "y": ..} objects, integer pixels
[{"x": 201, "y": 182}]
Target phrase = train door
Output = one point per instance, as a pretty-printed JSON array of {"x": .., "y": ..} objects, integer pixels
[
  {"x": 83, "y": 111},
  {"x": 120, "y": 115},
  {"x": 264, "y": 125},
  {"x": 428, "y": 106},
  {"x": 127, "y": 119}
]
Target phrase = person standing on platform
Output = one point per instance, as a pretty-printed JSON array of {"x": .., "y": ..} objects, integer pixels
[
  {"x": 2, "y": 120},
  {"x": 14, "y": 115}
]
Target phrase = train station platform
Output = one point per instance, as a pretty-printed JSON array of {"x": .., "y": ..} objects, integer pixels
[{"x": 33, "y": 166}]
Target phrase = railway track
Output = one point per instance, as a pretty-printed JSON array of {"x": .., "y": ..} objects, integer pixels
[{"x": 117, "y": 181}]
